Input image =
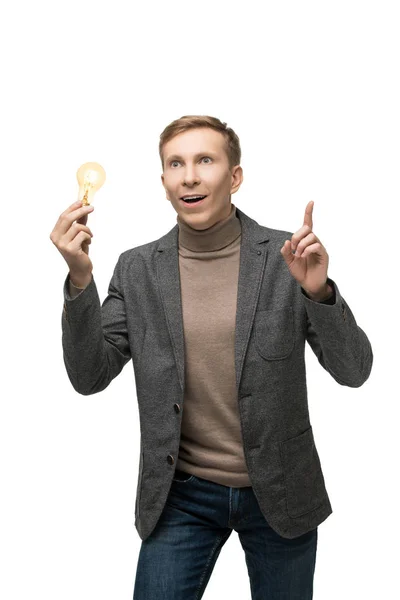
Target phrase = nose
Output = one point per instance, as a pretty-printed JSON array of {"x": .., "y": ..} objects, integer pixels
[{"x": 190, "y": 176}]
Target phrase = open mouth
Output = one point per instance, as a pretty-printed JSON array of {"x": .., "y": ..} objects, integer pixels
[{"x": 193, "y": 200}]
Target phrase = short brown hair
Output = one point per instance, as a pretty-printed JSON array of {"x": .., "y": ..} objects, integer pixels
[{"x": 232, "y": 144}]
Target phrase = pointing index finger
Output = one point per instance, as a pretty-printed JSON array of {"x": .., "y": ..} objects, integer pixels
[{"x": 308, "y": 214}]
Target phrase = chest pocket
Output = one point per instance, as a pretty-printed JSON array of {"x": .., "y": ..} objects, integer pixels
[{"x": 274, "y": 332}]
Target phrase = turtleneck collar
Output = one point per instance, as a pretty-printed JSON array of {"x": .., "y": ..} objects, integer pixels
[{"x": 214, "y": 238}]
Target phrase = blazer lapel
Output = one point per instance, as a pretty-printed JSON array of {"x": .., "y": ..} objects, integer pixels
[{"x": 253, "y": 255}]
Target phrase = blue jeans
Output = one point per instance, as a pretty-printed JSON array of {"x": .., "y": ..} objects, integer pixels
[{"x": 176, "y": 561}]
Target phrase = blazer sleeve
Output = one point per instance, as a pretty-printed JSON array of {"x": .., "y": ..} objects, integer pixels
[
  {"x": 341, "y": 346},
  {"x": 73, "y": 291},
  {"x": 94, "y": 336}
]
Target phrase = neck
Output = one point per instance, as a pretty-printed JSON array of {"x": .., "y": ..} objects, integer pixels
[{"x": 215, "y": 237}]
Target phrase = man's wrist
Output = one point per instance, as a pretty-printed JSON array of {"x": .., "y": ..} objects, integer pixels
[
  {"x": 80, "y": 282},
  {"x": 324, "y": 294}
]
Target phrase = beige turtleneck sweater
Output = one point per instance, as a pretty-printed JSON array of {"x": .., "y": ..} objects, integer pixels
[{"x": 211, "y": 444}]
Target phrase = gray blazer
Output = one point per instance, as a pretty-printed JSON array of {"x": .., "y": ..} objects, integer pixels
[{"x": 141, "y": 318}]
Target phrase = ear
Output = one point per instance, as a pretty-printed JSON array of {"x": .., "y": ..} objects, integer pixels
[
  {"x": 162, "y": 181},
  {"x": 237, "y": 178}
]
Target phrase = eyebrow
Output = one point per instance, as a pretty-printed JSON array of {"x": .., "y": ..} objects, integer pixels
[{"x": 176, "y": 156}]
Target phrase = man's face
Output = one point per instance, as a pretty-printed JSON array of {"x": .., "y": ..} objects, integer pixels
[{"x": 196, "y": 163}]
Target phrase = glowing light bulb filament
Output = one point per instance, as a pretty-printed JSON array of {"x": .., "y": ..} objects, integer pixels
[{"x": 91, "y": 177}]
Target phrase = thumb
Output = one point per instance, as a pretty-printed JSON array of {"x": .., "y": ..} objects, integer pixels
[{"x": 286, "y": 252}]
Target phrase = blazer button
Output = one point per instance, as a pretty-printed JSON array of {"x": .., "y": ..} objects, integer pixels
[
  {"x": 170, "y": 459},
  {"x": 177, "y": 408}
]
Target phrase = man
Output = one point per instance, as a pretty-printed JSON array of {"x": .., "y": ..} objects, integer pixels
[{"x": 215, "y": 315}]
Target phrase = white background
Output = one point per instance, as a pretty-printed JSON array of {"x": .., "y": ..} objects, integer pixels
[{"x": 312, "y": 90}]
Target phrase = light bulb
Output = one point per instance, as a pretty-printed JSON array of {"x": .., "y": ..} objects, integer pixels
[{"x": 91, "y": 177}]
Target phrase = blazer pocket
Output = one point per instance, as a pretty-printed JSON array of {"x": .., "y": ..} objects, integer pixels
[
  {"x": 274, "y": 333},
  {"x": 304, "y": 481}
]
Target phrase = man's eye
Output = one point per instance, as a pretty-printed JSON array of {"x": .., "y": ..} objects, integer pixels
[{"x": 177, "y": 161}]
